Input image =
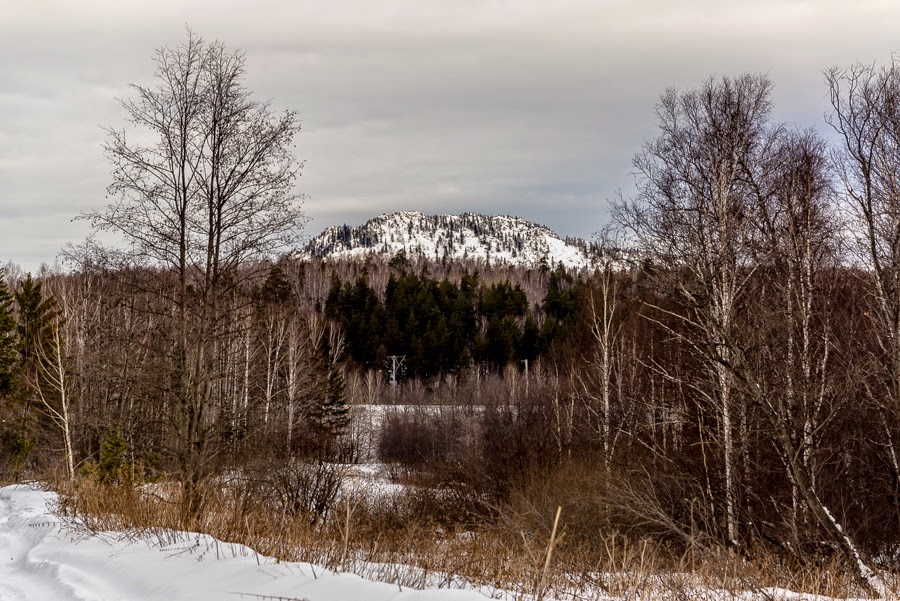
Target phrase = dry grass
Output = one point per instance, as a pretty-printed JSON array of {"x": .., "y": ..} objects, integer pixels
[{"x": 385, "y": 541}]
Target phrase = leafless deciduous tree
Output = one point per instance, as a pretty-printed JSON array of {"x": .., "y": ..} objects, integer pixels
[
  {"x": 202, "y": 186},
  {"x": 52, "y": 386},
  {"x": 799, "y": 251},
  {"x": 693, "y": 210},
  {"x": 866, "y": 115},
  {"x": 865, "y": 102}
]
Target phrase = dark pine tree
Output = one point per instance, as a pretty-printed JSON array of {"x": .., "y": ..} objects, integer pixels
[
  {"x": 9, "y": 340},
  {"x": 36, "y": 314},
  {"x": 333, "y": 414},
  {"x": 276, "y": 290}
]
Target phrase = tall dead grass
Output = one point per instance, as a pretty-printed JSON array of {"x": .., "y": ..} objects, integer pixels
[{"x": 522, "y": 554}]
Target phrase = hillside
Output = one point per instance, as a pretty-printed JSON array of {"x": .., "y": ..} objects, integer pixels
[{"x": 489, "y": 238}]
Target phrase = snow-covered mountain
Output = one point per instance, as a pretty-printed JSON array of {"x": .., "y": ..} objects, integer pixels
[{"x": 489, "y": 238}]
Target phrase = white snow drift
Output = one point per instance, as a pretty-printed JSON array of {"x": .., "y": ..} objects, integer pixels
[{"x": 43, "y": 559}]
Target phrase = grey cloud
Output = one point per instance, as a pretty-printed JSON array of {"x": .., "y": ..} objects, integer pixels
[{"x": 531, "y": 108}]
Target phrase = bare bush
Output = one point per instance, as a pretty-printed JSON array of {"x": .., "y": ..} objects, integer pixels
[{"x": 307, "y": 488}]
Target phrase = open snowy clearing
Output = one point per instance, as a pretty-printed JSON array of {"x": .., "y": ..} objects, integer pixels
[{"x": 42, "y": 559}]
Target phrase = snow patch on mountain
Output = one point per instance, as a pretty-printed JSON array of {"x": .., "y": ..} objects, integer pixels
[{"x": 470, "y": 236}]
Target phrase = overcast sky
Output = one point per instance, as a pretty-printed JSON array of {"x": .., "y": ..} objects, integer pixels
[{"x": 531, "y": 108}]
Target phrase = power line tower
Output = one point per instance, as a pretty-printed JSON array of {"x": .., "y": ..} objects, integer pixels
[
  {"x": 525, "y": 361},
  {"x": 396, "y": 366}
]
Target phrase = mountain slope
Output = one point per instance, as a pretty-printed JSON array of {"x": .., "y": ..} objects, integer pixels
[{"x": 493, "y": 239}]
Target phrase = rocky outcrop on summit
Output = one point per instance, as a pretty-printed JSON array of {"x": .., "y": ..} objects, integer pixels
[{"x": 492, "y": 239}]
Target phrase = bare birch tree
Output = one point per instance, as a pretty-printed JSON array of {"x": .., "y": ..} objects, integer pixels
[
  {"x": 53, "y": 387},
  {"x": 606, "y": 323},
  {"x": 691, "y": 217},
  {"x": 209, "y": 196},
  {"x": 799, "y": 248},
  {"x": 866, "y": 115}
]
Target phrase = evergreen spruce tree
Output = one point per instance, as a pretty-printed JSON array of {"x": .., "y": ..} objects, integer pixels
[
  {"x": 113, "y": 457},
  {"x": 35, "y": 318},
  {"x": 9, "y": 340},
  {"x": 334, "y": 413},
  {"x": 36, "y": 315},
  {"x": 276, "y": 290},
  {"x": 20, "y": 360}
]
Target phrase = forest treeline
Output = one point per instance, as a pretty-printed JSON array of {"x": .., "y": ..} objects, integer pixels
[
  {"x": 611, "y": 388},
  {"x": 732, "y": 381},
  {"x": 444, "y": 328}
]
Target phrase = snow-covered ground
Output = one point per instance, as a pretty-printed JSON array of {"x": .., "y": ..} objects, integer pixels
[{"x": 44, "y": 559}]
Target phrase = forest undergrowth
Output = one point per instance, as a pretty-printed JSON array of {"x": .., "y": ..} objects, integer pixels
[{"x": 422, "y": 537}]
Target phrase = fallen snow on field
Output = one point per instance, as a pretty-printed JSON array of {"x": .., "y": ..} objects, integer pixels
[{"x": 43, "y": 559}]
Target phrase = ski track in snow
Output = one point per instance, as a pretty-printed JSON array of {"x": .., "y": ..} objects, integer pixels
[{"x": 42, "y": 559}]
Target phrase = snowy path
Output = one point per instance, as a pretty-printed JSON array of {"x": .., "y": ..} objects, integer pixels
[{"x": 42, "y": 560}]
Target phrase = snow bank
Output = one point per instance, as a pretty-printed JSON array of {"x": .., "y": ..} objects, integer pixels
[{"x": 42, "y": 559}]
